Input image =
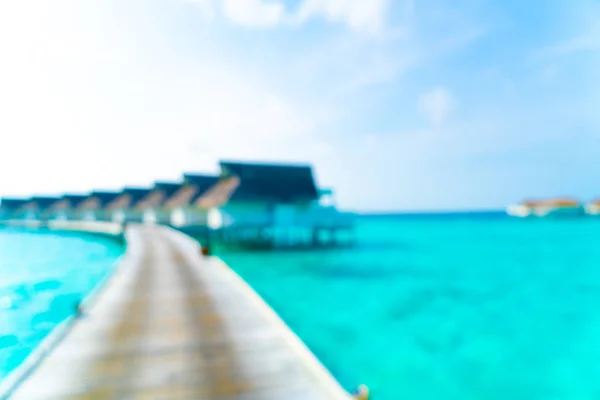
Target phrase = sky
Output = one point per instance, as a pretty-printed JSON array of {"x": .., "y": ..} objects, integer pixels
[{"x": 400, "y": 105}]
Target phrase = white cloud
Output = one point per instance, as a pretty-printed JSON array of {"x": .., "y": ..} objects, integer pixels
[
  {"x": 360, "y": 15},
  {"x": 92, "y": 97},
  {"x": 436, "y": 104},
  {"x": 254, "y": 13},
  {"x": 88, "y": 104}
]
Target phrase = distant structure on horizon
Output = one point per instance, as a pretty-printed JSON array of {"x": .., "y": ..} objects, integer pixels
[
  {"x": 593, "y": 208},
  {"x": 247, "y": 204},
  {"x": 548, "y": 207}
]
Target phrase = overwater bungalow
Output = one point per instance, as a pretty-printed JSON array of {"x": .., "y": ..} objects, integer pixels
[
  {"x": 11, "y": 208},
  {"x": 123, "y": 208},
  {"x": 64, "y": 208},
  {"x": 92, "y": 208},
  {"x": 272, "y": 204},
  {"x": 549, "y": 207},
  {"x": 152, "y": 206},
  {"x": 268, "y": 194},
  {"x": 183, "y": 204},
  {"x": 278, "y": 205},
  {"x": 38, "y": 208}
]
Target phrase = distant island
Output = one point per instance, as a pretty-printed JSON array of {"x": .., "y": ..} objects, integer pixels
[{"x": 553, "y": 207}]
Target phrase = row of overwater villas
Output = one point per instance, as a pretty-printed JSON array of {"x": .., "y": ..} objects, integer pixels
[
  {"x": 554, "y": 207},
  {"x": 242, "y": 195}
]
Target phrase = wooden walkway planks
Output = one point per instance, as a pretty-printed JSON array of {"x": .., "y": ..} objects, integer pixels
[{"x": 173, "y": 325}]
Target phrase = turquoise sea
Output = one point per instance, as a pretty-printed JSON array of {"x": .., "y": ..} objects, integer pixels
[
  {"x": 459, "y": 306},
  {"x": 437, "y": 307},
  {"x": 42, "y": 277}
]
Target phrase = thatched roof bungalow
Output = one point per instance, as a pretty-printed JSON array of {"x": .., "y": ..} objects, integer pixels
[
  {"x": 124, "y": 207},
  {"x": 153, "y": 206},
  {"x": 12, "y": 208},
  {"x": 39, "y": 207},
  {"x": 92, "y": 208},
  {"x": 268, "y": 194},
  {"x": 182, "y": 204},
  {"x": 274, "y": 183},
  {"x": 64, "y": 208}
]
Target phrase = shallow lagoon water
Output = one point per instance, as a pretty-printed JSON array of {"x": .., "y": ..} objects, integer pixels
[
  {"x": 42, "y": 277},
  {"x": 476, "y": 306},
  {"x": 425, "y": 307}
]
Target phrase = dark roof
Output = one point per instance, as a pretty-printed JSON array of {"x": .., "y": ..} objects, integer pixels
[
  {"x": 44, "y": 202},
  {"x": 12, "y": 204},
  {"x": 137, "y": 194},
  {"x": 277, "y": 182},
  {"x": 202, "y": 182},
  {"x": 105, "y": 197},
  {"x": 168, "y": 188},
  {"x": 75, "y": 199}
]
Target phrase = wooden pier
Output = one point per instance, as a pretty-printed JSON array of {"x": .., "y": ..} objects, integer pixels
[{"x": 172, "y": 324}]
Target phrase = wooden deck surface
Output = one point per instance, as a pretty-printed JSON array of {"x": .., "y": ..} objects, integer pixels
[{"x": 170, "y": 324}]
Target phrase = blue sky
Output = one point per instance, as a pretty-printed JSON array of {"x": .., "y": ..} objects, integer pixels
[{"x": 400, "y": 105}]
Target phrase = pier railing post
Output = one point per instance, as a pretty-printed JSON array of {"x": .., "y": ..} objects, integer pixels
[
  {"x": 205, "y": 248},
  {"x": 362, "y": 393}
]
